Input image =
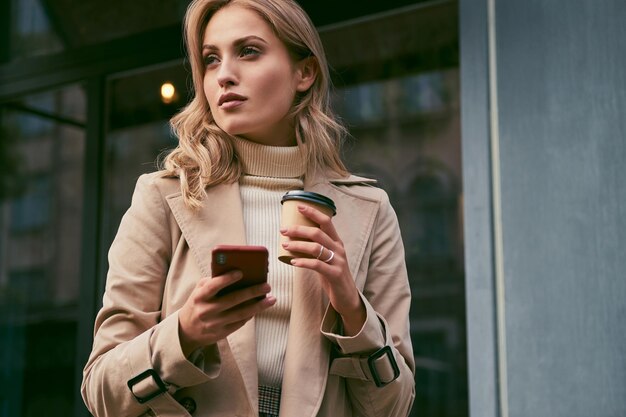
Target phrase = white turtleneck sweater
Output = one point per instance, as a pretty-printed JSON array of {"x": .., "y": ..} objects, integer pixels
[{"x": 269, "y": 172}]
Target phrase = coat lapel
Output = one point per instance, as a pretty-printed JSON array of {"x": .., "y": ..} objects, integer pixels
[
  {"x": 220, "y": 221},
  {"x": 308, "y": 351}
]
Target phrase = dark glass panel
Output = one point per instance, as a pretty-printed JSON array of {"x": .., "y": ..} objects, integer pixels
[
  {"x": 138, "y": 132},
  {"x": 41, "y": 187},
  {"x": 398, "y": 92},
  {"x": 32, "y": 32}
]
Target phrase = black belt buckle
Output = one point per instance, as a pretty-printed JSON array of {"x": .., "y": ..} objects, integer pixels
[
  {"x": 385, "y": 350},
  {"x": 157, "y": 380}
]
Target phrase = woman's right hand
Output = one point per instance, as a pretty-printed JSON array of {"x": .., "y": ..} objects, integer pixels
[{"x": 206, "y": 318}]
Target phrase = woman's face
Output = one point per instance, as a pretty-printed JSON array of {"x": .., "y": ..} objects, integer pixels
[{"x": 250, "y": 81}]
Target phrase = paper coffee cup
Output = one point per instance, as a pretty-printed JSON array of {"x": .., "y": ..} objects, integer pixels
[{"x": 291, "y": 216}]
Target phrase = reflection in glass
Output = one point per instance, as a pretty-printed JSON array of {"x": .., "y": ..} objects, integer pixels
[
  {"x": 424, "y": 93},
  {"x": 31, "y": 30},
  {"x": 131, "y": 152},
  {"x": 138, "y": 132},
  {"x": 40, "y": 230},
  {"x": 32, "y": 209},
  {"x": 362, "y": 103},
  {"x": 42, "y": 27},
  {"x": 414, "y": 153},
  {"x": 401, "y": 104}
]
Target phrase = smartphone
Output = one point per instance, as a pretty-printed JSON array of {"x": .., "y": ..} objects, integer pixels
[{"x": 252, "y": 261}]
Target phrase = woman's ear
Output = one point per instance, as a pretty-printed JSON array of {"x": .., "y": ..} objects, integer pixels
[{"x": 306, "y": 71}]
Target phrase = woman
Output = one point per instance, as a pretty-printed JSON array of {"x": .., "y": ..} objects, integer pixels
[{"x": 331, "y": 339}]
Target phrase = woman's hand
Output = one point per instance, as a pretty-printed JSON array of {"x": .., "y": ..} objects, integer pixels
[
  {"x": 337, "y": 280},
  {"x": 206, "y": 318}
]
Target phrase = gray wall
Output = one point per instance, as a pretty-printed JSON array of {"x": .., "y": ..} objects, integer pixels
[{"x": 544, "y": 142}]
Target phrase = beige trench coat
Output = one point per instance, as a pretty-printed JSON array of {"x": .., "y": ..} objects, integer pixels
[{"x": 162, "y": 249}]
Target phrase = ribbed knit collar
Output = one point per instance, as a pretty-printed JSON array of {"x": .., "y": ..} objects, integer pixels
[{"x": 270, "y": 161}]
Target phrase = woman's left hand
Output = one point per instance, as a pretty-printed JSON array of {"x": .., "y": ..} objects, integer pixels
[{"x": 329, "y": 260}]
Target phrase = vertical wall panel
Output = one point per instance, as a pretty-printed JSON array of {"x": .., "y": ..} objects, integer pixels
[
  {"x": 562, "y": 101},
  {"x": 562, "y": 130},
  {"x": 481, "y": 324}
]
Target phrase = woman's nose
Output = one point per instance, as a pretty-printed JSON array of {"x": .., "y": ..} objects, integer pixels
[{"x": 227, "y": 73}]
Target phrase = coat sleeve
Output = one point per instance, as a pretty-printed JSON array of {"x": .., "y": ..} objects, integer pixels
[
  {"x": 387, "y": 298},
  {"x": 129, "y": 335}
]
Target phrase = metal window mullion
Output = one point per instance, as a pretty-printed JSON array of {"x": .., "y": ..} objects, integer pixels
[{"x": 92, "y": 230}]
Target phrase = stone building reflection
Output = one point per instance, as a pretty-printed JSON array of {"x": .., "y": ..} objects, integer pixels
[{"x": 406, "y": 133}]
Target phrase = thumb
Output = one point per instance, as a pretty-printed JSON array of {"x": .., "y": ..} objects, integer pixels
[{"x": 216, "y": 284}]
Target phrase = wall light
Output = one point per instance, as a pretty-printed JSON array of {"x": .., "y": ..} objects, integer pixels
[{"x": 168, "y": 92}]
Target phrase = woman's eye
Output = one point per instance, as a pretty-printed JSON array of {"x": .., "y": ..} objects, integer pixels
[
  {"x": 249, "y": 50},
  {"x": 210, "y": 59}
]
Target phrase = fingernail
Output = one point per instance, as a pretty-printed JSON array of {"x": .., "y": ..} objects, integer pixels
[
  {"x": 238, "y": 274},
  {"x": 284, "y": 245},
  {"x": 301, "y": 208},
  {"x": 283, "y": 230}
]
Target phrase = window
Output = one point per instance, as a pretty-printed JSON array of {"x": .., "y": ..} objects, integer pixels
[
  {"x": 399, "y": 96},
  {"x": 40, "y": 251},
  {"x": 31, "y": 210}
]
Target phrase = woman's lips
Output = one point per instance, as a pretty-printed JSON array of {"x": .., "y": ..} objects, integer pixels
[
  {"x": 231, "y": 104},
  {"x": 230, "y": 101}
]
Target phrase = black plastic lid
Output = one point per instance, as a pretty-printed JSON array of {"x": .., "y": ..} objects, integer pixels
[{"x": 310, "y": 196}]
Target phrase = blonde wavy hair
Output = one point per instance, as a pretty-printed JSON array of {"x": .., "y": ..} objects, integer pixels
[{"x": 205, "y": 154}]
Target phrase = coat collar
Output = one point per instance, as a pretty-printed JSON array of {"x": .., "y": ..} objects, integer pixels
[{"x": 220, "y": 221}]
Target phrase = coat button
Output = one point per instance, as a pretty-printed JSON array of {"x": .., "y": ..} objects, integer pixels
[{"x": 189, "y": 404}]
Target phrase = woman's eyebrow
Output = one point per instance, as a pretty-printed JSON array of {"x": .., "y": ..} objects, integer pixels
[{"x": 236, "y": 43}]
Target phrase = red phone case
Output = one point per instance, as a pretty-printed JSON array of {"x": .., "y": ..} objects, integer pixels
[{"x": 252, "y": 261}]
